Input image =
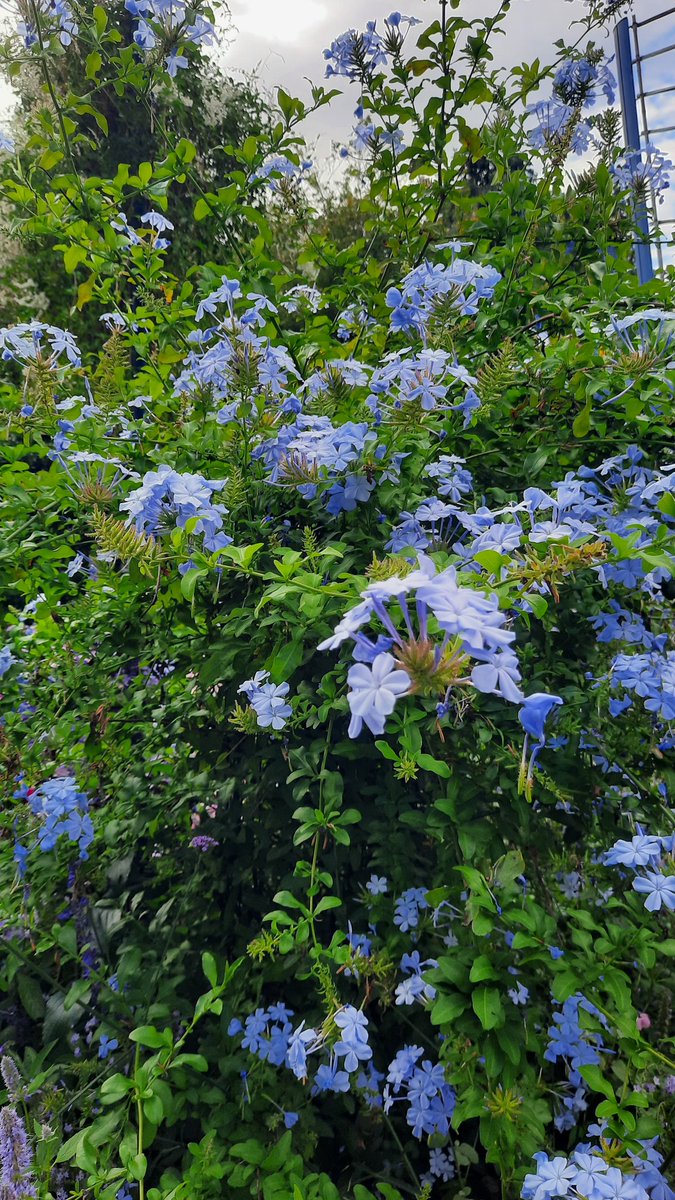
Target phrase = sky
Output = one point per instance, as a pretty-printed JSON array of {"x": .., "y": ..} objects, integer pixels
[{"x": 281, "y": 43}]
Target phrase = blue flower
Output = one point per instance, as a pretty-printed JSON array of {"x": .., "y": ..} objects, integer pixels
[
  {"x": 659, "y": 890},
  {"x": 353, "y": 1046},
  {"x": 329, "y": 1078},
  {"x": 299, "y": 1045},
  {"x": 408, "y": 907},
  {"x": 64, "y": 811},
  {"x": 377, "y": 885},
  {"x": 374, "y": 692},
  {"x": 640, "y": 851},
  {"x": 534, "y": 713},
  {"x": 7, "y": 659},
  {"x": 106, "y": 1045}
]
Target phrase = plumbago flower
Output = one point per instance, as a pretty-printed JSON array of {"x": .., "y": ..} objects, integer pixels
[
  {"x": 160, "y": 24},
  {"x": 63, "y": 811},
  {"x": 644, "y": 171},
  {"x": 168, "y": 499},
  {"x": 54, "y": 17},
  {"x": 267, "y": 700},
  {"x": 586, "y": 1172},
  {"x": 454, "y": 638},
  {"x": 653, "y": 861},
  {"x": 39, "y": 345},
  {"x": 462, "y": 284}
]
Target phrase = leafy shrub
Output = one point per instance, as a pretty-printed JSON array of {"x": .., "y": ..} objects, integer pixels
[{"x": 338, "y": 679}]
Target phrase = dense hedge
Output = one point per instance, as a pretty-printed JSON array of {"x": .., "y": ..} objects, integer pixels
[{"x": 338, "y": 676}]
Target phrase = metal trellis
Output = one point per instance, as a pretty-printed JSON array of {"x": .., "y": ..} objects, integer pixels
[{"x": 637, "y": 129}]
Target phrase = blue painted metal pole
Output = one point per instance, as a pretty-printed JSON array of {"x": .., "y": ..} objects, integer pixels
[{"x": 624, "y": 65}]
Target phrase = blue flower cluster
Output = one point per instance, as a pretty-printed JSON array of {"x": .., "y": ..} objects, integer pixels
[
  {"x": 167, "y": 499},
  {"x": 172, "y": 22},
  {"x": 649, "y": 676},
  {"x": 587, "y": 1173},
  {"x": 64, "y": 812},
  {"x": 644, "y": 171},
  {"x": 407, "y": 383},
  {"x": 33, "y": 342},
  {"x": 420, "y": 1084},
  {"x": 279, "y": 167},
  {"x": 54, "y": 17},
  {"x": 579, "y": 82},
  {"x": 462, "y": 282},
  {"x": 620, "y": 625},
  {"x": 269, "y": 1034},
  {"x": 572, "y": 1042},
  {"x": 653, "y": 860},
  {"x": 450, "y": 626},
  {"x": 7, "y": 660},
  {"x": 343, "y": 462},
  {"x": 267, "y": 700},
  {"x": 356, "y": 55},
  {"x": 413, "y": 987},
  {"x": 558, "y": 127}
]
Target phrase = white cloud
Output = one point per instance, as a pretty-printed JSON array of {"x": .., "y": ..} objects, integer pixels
[{"x": 274, "y": 21}]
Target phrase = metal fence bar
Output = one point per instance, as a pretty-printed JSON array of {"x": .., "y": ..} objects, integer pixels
[
  {"x": 660, "y": 129},
  {"x": 659, "y": 91},
  {"x": 659, "y": 16},
  {"x": 624, "y": 65},
  {"x": 655, "y": 53},
  {"x": 645, "y": 122}
]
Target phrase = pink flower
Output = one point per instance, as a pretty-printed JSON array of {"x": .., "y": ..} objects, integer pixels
[{"x": 643, "y": 1021}]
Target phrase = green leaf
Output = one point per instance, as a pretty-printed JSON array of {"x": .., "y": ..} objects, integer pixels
[
  {"x": 582, "y": 421},
  {"x": 137, "y": 1166},
  {"x": 287, "y": 899},
  {"x": 285, "y": 661},
  {"x": 147, "y": 1035},
  {"x": 115, "y": 1088},
  {"x": 250, "y": 1151},
  {"x": 386, "y": 751},
  {"x": 101, "y": 19},
  {"x": 491, "y": 560},
  {"x": 596, "y": 1081},
  {"x": 488, "y": 1007},
  {"x": 30, "y": 994},
  {"x": 202, "y": 209},
  {"x": 50, "y": 158},
  {"x": 73, "y": 256},
  {"x": 93, "y": 63},
  {"x": 196, "y": 1061},
  {"x": 446, "y": 1009},
  {"x": 428, "y": 763},
  {"x": 209, "y": 968},
  {"x": 190, "y": 580},
  {"x": 508, "y": 868},
  {"x": 482, "y": 969}
]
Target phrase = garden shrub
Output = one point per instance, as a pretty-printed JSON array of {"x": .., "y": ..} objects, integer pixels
[{"x": 338, "y": 677}]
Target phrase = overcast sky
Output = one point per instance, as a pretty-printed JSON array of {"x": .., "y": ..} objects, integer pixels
[{"x": 281, "y": 42}]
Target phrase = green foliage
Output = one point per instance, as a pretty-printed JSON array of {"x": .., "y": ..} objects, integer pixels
[{"x": 232, "y": 851}]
